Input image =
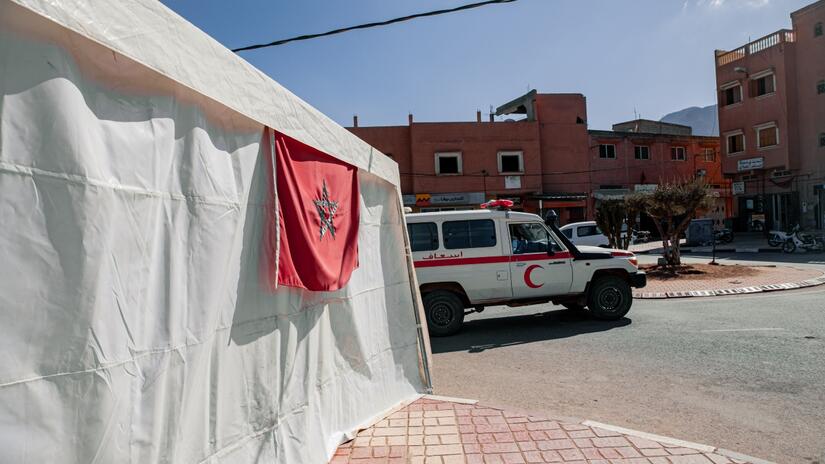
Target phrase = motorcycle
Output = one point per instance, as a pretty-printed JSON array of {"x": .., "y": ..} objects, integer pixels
[
  {"x": 723, "y": 235},
  {"x": 803, "y": 241},
  {"x": 777, "y": 238},
  {"x": 640, "y": 236}
]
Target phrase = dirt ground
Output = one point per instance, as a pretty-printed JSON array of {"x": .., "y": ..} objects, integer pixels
[{"x": 700, "y": 271}]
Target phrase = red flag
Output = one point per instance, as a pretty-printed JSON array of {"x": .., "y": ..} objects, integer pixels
[{"x": 315, "y": 241}]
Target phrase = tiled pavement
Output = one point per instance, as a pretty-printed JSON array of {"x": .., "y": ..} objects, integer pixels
[
  {"x": 430, "y": 431},
  {"x": 768, "y": 279}
]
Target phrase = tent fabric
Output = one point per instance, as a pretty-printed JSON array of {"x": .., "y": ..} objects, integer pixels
[
  {"x": 133, "y": 325},
  {"x": 144, "y": 31}
]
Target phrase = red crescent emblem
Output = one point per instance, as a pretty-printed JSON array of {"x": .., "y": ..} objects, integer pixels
[{"x": 527, "y": 276}]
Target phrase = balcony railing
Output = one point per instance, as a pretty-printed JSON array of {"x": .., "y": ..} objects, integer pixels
[{"x": 784, "y": 35}]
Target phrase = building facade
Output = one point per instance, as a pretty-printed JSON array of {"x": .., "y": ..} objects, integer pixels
[
  {"x": 636, "y": 156},
  {"x": 771, "y": 100},
  {"x": 547, "y": 159}
]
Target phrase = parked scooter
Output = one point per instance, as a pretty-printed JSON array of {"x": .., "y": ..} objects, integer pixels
[
  {"x": 777, "y": 238},
  {"x": 723, "y": 235},
  {"x": 803, "y": 241},
  {"x": 640, "y": 236}
]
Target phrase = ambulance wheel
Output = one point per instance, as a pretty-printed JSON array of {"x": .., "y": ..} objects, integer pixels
[
  {"x": 609, "y": 298},
  {"x": 445, "y": 312}
]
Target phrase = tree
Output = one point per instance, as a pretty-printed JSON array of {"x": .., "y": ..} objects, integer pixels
[
  {"x": 611, "y": 215},
  {"x": 672, "y": 206}
]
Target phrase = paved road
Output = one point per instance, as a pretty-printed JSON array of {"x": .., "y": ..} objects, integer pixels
[{"x": 746, "y": 373}]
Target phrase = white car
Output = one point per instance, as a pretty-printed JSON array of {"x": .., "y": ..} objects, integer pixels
[
  {"x": 471, "y": 259},
  {"x": 585, "y": 233}
]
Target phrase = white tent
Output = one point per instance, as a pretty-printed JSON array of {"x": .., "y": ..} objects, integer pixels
[{"x": 133, "y": 326}]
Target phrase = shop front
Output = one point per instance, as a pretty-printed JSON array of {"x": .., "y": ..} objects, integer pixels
[
  {"x": 570, "y": 207},
  {"x": 428, "y": 202}
]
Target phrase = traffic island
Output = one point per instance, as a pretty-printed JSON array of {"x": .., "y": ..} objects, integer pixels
[
  {"x": 438, "y": 430},
  {"x": 699, "y": 280}
]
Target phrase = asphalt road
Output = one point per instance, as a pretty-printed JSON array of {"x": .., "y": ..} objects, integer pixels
[{"x": 745, "y": 373}]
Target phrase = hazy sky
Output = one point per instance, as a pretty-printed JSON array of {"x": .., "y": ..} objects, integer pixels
[{"x": 652, "y": 55}]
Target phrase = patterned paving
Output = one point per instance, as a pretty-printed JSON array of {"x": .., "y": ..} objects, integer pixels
[{"x": 429, "y": 431}]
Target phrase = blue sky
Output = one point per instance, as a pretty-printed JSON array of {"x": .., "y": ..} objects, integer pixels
[{"x": 652, "y": 55}]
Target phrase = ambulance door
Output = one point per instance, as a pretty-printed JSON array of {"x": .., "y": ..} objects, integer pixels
[{"x": 539, "y": 264}]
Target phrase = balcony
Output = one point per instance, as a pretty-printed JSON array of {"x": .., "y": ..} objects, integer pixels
[{"x": 772, "y": 40}]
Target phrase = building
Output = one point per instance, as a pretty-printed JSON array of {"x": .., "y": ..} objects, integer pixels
[
  {"x": 638, "y": 155},
  {"x": 771, "y": 95},
  {"x": 539, "y": 161},
  {"x": 542, "y": 157}
]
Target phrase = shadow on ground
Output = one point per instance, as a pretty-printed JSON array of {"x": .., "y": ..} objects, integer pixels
[{"x": 484, "y": 334}]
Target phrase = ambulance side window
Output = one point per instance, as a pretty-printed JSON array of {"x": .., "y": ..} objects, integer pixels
[
  {"x": 480, "y": 233},
  {"x": 531, "y": 238},
  {"x": 423, "y": 236}
]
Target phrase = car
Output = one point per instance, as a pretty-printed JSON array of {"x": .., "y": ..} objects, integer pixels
[
  {"x": 588, "y": 233},
  {"x": 585, "y": 233},
  {"x": 466, "y": 260}
]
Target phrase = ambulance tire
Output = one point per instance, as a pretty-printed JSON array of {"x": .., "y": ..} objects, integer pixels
[
  {"x": 609, "y": 298},
  {"x": 445, "y": 312}
]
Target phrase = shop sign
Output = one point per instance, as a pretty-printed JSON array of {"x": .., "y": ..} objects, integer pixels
[
  {"x": 429, "y": 199},
  {"x": 409, "y": 200},
  {"x": 645, "y": 188},
  {"x": 750, "y": 164},
  {"x": 738, "y": 188},
  {"x": 512, "y": 182}
]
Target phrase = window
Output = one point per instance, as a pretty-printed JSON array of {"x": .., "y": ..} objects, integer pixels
[
  {"x": 731, "y": 93},
  {"x": 641, "y": 153},
  {"x": 822, "y": 139},
  {"x": 423, "y": 236},
  {"x": 510, "y": 162},
  {"x": 447, "y": 164},
  {"x": 478, "y": 233},
  {"x": 767, "y": 136},
  {"x": 607, "y": 151},
  {"x": 736, "y": 143},
  {"x": 820, "y": 87},
  {"x": 531, "y": 237},
  {"x": 568, "y": 233},
  {"x": 677, "y": 153},
  {"x": 763, "y": 84},
  {"x": 587, "y": 231},
  {"x": 817, "y": 29},
  {"x": 709, "y": 155}
]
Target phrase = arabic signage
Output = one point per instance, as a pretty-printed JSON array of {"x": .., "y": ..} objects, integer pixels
[
  {"x": 428, "y": 199},
  {"x": 750, "y": 164},
  {"x": 738, "y": 188}
]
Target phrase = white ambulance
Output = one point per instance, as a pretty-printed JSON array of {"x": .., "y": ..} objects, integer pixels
[{"x": 466, "y": 260}]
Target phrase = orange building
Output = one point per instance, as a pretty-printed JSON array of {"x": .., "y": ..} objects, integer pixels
[
  {"x": 772, "y": 121},
  {"x": 547, "y": 159}
]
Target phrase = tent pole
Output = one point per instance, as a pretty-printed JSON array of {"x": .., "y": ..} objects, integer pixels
[{"x": 423, "y": 334}]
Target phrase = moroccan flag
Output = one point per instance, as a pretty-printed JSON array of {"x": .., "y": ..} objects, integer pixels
[{"x": 314, "y": 243}]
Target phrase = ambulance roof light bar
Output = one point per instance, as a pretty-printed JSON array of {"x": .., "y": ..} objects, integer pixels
[{"x": 503, "y": 205}]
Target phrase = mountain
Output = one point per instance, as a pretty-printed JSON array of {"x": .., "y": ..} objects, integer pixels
[{"x": 704, "y": 121}]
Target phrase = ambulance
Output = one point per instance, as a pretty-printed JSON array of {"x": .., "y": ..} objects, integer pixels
[{"x": 466, "y": 260}]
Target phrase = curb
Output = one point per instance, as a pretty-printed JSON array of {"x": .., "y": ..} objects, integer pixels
[
  {"x": 732, "y": 291},
  {"x": 718, "y": 250},
  {"x": 613, "y": 428},
  {"x": 677, "y": 442}
]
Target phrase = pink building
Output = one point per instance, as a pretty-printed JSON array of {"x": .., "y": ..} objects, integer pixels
[
  {"x": 771, "y": 96},
  {"x": 543, "y": 157},
  {"x": 540, "y": 161}
]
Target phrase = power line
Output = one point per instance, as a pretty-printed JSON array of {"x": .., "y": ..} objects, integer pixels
[{"x": 369, "y": 25}]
